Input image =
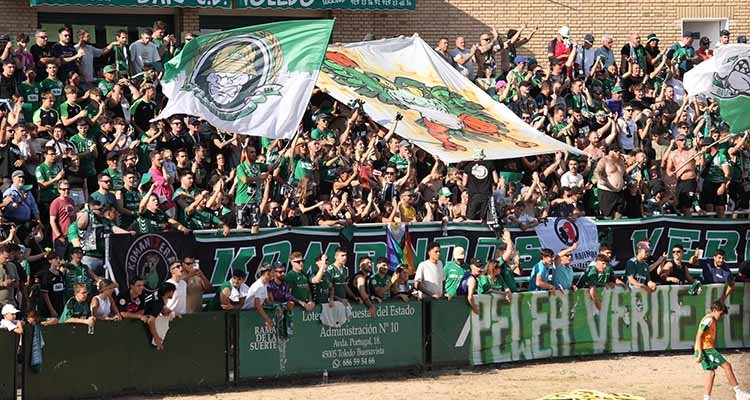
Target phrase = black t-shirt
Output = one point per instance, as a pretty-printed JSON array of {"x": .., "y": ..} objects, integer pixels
[
  {"x": 153, "y": 305},
  {"x": 8, "y": 87},
  {"x": 126, "y": 304},
  {"x": 60, "y": 50},
  {"x": 54, "y": 285},
  {"x": 9, "y": 154},
  {"x": 40, "y": 52},
  {"x": 480, "y": 177},
  {"x": 582, "y": 127}
]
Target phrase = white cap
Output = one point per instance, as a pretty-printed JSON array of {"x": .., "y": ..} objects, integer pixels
[
  {"x": 9, "y": 309},
  {"x": 459, "y": 253},
  {"x": 564, "y": 32}
]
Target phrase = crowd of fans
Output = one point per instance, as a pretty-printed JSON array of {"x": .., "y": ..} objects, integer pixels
[{"x": 80, "y": 157}]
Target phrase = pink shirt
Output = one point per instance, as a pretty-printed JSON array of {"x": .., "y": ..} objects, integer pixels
[
  {"x": 162, "y": 188},
  {"x": 65, "y": 212}
]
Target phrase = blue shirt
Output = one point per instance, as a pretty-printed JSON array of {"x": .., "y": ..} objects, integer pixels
[
  {"x": 21, "y": 210},
  {"x": 562, "y": 277},
  {"x": 608, "y": 56},
  {"x": 539, "y": 269},
  {"x": 711, "y": 274}
]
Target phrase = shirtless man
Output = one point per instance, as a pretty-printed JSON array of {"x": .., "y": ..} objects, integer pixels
[
  {"x": 610, "y": 175},
  {"x": 687, "y": 184}
]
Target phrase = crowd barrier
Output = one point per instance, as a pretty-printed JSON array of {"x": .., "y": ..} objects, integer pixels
[
  {"x": 215, "y": 350},
  {"x": 149, "y": 255}
]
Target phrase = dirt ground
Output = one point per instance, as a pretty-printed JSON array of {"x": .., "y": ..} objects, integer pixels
[{"x": 652, "y": 377}]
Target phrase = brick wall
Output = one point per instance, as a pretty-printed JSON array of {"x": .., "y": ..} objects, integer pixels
[
  {"x": 17, "y": 17},
  {"x": 188, "y": 20},
  {"x": 436, "y": 18}
]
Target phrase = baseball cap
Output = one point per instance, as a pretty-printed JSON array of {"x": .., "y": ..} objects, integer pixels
[
  {"x": 724, "y": 32},
  {"x": 652, "y": 36},
  {"x": 531, "y": 60},
  {"x": 323, "y": 116},
  {"x": 705, "y": 40},
  {"x": 500, "y": 84},
  {"x": 404, "y": 143},
  {"x": 108, "y": 69},
  {"x": 520, "y": 59},
  {"x": 278, "y": 265},
  {"x": 445, "y": 192},
  {"x": 16, "y": 173},
  {"x": 10, "y": 309},
  {"x": 193, "y": 121},
  {"x": 617, "y": 89},
  {"x": 742, "y": 39},
  {"x": 589, "y": 38},
  {"x": 643, "y": 245},
  {"x": 564, "y": 32},
  {"x": 459, "y": 253}
]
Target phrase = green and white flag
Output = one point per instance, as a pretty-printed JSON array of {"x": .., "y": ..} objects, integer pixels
[
  {"x": 725, "y": 77},
  {"x": 255, "y": 80}
]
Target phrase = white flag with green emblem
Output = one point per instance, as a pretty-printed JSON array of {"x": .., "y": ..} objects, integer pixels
[
  {"x": 726, "y": 78},
  {"x": 255, "y": 80}
]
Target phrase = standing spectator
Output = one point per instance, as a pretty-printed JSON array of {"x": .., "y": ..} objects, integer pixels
[
  {"x": 46, "y": 118},
  {"x": 9, "y": 322},
  {"x": 250, "y": 177},
  {"x": 676, "y": 271},
  {"x": 48, "y": 175},
  {"x": 360, "y": 286},
  {"x": 717, "y": 171},
  {"x": 510, "y": 50},
  {"x": 562, "y": 274},
  {"x": 103, "y": 305},
  {"x": 489, "y": 46},
  {"x": 683, "y": 54},
  {"x": 339, "y": 273},
  {"x": 600, "y": 274},
  {"x": 41, "y": 50},
  {"x": 20, "y": 205},
  {"x": 77, "y": 272},
  {"x": 156, "y": 305},
  {"x": 9, "y": 279},
  {"x": 716, "y": 271},
  {"x": 104, "y": 195},
  {"x": 128, "y": 199},
  {"x": 633, "y": 52},
  {"x": 298, "y": 282},
  {"x": 704, "y": 52},
  {"x": 539, "y": 278},
  {"x": 470, "y": 284},
  {"x": 61, "y": 215},
  {"x": 77, "y": 309},
  {"x": 53, "y": 84},
  {"x": 31, "y": 92},
  {"x": 132, "y": 301},
  {"x": 52, "y": 282},
  {"x": 143, "y": 109},
  {"x": 70, "y": 111},
  {"x": 442, "y": 50},
  {"x": 723, "y": 38},
  {"x": 161, "y": 183},
  {"x": 121, "y": 54},
  {"x": 178, "y": 302},
  {"x": 231, "y": 294},
  {"x": 85, "y": 149},
  {"x": 497, "y": 280},
  {"x": 197, "y": 285},
  {"x": 560, "y": 47},
  {"x": 68, "y": 56},
  {"x": 429, "y": 278},
  {"x": 605, "y": 53},
  {"x": 381, "y": 280},
  {"x": 320, "y": 279},
  {"x": 464, "y": 58},
  {"x": 610, "y": 175},
  {"x": 681, "y": 166},
  {"x": 278, "y": 289},
  {"x": 89, "y": 52},
  {"x": 585, "y": 57},
  {"x": 400, "y": 286},
  {"x": 257, "y": 296},
  {"x": 479, "y": 179},
  {"x": 638, "y": 271},
  {"x": 8, "y": 83},
  {"x": 143, "y": 52},
  {"x": 454, "y": 272}
]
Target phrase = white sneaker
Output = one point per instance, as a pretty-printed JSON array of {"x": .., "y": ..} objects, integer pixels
[{"x": 741, "y": 395}]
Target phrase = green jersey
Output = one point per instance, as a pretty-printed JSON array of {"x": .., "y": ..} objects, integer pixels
[
  {"x": 31, "y": 94},
  {"x": 215, "y": 304},
  {"x": 320, "y": 290},
  {"x": 131, "y": 200},
  {"x": 188, "y": 197},
  {"x": 152, "y": 222},
  {"x": 594, "y": 278},
  {"x": 487, "y": 284},
  {"x": 70, "y": 110},
  {"x": 247, "y": 170},
  {"x": 302, "y": 167},
  {"x": 121, "y": 61},
  {"x": 400, "y": 162},
  {"x": 55, "y": 87},
  {"x": 77, "y": 274},
  {"x": 378, "y": 281},
  {"x": 143, "y": 111},
  {"x": 46, "y": 117},
  {"x": 88, "y": 163},
  {"x": 638, "y": 270},
  {"x": 74, "y": 309},
  {"x": 46, "y": 173},
  {"x": 116, "y": 176},
  {"x": 508, "y": 279},
  {"x": 716, "y": 162},
  {"x": 106, "y": 87},
  {"x": 299, "y": 285},
  {"x": 453, "y": 275},
  {"x": 339, "y": 278},
  {"x": 317, "y": 134}
]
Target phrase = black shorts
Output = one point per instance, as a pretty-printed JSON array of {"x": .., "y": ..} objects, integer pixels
[
  {"x": 709, "y": 196},
  {"x": 477, "y": 207},
  {"x": 611, "y": 203},
  {"x": 685, "y": 193}
]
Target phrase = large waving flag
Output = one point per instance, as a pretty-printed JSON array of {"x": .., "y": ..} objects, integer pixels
[
  {"x": 444, "y": 113},
  {"x": 725, "y": 77},
  {"x": 399, "y": 249},
  {"x": 254, "y": 80}
]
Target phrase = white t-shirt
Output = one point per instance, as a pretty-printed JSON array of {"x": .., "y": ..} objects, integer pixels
[
  {"x": 257, "y": 291},
  {"x": 570, "y": 180},
  {"x": 628, "y": 133},
  {"x": 8, "y": 325},
  {"x": 431, "y": 276},
  {"x": 178, "y": 302}
]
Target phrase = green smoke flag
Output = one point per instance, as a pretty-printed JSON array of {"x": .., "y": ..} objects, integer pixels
[
  {"x": 726, "y": 78},
  {"x": 255, "y": 80}
]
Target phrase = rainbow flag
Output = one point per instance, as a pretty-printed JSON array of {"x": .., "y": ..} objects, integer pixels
[{"x": 399, "y": 249}]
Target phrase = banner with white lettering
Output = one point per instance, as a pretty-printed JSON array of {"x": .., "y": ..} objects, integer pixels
[{"x": 560, "y": 233}]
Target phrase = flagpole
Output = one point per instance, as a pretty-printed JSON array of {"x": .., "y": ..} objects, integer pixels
[{"x": 698, "y": 154}]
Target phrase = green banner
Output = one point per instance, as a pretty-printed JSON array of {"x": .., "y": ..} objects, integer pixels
[
  {"x": 539, "y": 325},
  {"x": 138, "y": 3},
  {"x": 365, "y": 5},
  {"x": 392, "y": 339},
  {"x": 8, "y": 346}
]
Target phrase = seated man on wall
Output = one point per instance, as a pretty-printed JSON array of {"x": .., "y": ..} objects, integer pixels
[{"x": 715, "y": 270}]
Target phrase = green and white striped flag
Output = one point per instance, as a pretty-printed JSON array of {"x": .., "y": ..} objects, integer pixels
[
  {"x": 726, "y": 78},
  {"x": 255, "y": 80}
]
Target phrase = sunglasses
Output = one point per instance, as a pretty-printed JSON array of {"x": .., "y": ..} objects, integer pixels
[
  {"x": 43, "y": 37},
  {"x": 676, "y": 251},
  {"x": 64, "y": 189},
  {"x": 107, "y": 181},
  {"x": 297, "y": 261}
]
